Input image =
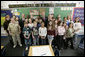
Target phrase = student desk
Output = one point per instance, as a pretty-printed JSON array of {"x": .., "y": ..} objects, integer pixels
[{"x": 50, "y": 49}]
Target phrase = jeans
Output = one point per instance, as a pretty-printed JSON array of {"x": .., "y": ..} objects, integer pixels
[
  {"x": 36, "y": 40},
  {"x": 50, "y": 39},
  {"x": 27, "y": 42},
  {"x": 75, "y": 40}
]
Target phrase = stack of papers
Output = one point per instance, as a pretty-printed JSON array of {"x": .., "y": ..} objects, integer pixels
[{"x": 41, "y": 51}]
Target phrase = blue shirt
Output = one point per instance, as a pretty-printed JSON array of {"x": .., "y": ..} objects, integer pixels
[{"x": 68, "y": 23}]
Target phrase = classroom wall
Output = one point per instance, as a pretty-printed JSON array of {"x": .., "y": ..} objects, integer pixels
[
  {"x": 4, "y": 4},
  {"x": 58, "y": 10},
  {"x": 26, "y": 11},
  {"x": 63, "y": 12}
]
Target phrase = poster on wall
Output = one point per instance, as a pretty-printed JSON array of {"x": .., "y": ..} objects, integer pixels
[
  {"x": 42, "y": 12},
  {"x": 79, "y": 12},
  {"x": 16, "y": 13},
  {"x": 51, "y": 10},
  {"x": 3, "y": 14},
  {"x": 34, "y": 13}
]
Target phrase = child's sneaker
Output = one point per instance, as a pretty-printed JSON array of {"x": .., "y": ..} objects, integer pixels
[
  {"x": 26, "y": 48},
  {"x": 14, "y": 46}
]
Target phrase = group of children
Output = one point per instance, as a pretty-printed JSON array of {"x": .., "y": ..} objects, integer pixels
[{"x": 58, "y": 32}]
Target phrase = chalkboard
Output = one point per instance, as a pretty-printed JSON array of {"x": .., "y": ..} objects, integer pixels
[
  {"x": 63, "y": 13},
  {"x": 79, "y": 12}
]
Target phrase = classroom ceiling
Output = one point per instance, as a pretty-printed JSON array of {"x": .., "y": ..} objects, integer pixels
[{"x": 4, "y": 4}]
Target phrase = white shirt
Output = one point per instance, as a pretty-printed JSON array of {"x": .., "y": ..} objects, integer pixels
[
  {"x": 77, "y": 26},
  {"x": 61, "y": 30},
  {"x": 43, "y": 31},
  {"x": 30, "y": 25},
  {"x": 68, "y": 20}
]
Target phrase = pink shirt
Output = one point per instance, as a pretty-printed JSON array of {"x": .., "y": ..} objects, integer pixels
[{"x": 61, "y": 30}]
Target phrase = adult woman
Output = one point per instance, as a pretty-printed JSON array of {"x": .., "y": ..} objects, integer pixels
[{"x": 6, "y": 23}]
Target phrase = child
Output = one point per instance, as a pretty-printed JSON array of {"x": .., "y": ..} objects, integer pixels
[
  {"x": 66, "y": 27},
  {"x": 49, "y": 17},
  {"x": 58, "y": 19},
  {"x": 26, "y": 20},
  {"x": 65, "y": 21},
  {"x": 35, "y": 34},
  {"x": 30, "y": 24},
  {"x": 50, "y": 32},
  {"x": 56, "y": 27},
  {"x": 26, "y": 33},
  {"x": 43, "y": 33},
  {"x": 39, "y": 23},
  {"x": 77, "y": 28},
  {"x": 53, "y": 19},
  {"x": 56, "y": 32},
  {"x": 68, "y": 18},
  {"x": 36, "y": 20},
  {"x": 61, "y": 32},
  {"x": 69, "y": 35}
]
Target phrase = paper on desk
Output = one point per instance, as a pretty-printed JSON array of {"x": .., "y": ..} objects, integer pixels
[{"x": 41, "y": 51}]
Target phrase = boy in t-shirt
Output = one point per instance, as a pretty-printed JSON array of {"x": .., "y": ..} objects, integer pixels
[
  {"x": 26, "y": 33},
  {"x": 35, "y": 34}
]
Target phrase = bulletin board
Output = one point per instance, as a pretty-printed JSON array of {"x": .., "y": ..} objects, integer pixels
[
  {"x": 78, "y": 12},
  {"x": 26, "y": 11},
  {"x": 3, "y": 14},
  {"x": 63, "y": 13}
]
